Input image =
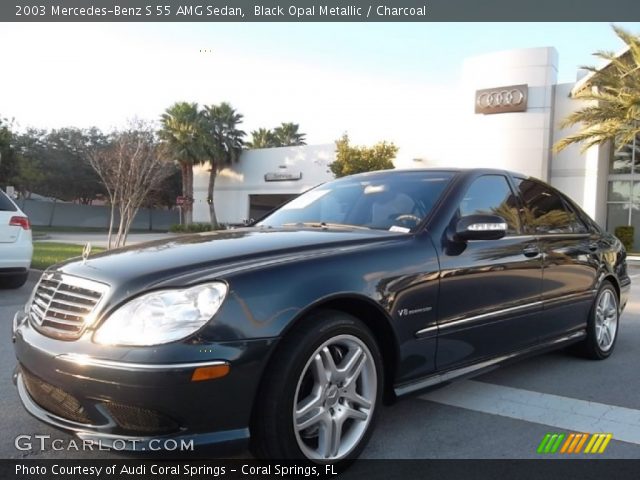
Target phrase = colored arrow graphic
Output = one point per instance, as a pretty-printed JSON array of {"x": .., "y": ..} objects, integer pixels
[{"x": 574, "y": 443}]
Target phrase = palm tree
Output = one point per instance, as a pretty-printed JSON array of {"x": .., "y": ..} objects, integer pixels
[
  {"x": 287, "y": 135},
  {"x": 181, "y": 134},
  {"x": 262, "y": 138},
  {"x": 223, "y": 144},
  {"x": 613, "y": 112}
]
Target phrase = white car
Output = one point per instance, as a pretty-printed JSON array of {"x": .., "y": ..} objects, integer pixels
[{"x": 16, "y": 244}]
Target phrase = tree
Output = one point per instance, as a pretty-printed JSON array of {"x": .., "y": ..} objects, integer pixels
[
  {"x": 613, "y": 111},
  {"x": 32, "y": 173},
  {"x": 131, "y": 166},
  {"x": 358, "y": 159},
  {"x": 182, "y": 135},
  {"x": 52, "y": 163},
  {"x": 165, "y": 195},
  {"x": 262, "y": 138},
  {"x": 8, "y": 161},
  {"x": 287, "y": 135},
  {"x": 70, "y": 177},
  {"x": 223, "y": 144}
]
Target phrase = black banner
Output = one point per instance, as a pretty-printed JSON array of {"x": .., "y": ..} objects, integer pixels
[
  {"x": 359, "y": 470},
  {"x": 316, "y": 11}
]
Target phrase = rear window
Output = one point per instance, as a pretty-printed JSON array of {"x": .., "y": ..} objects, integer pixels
[{"x": 6, "y": 205}]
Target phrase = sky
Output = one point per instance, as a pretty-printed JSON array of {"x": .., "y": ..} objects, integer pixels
[{"x": 374, "y": 81}]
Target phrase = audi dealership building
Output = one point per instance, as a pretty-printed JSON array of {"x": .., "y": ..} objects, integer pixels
[{"x": 510, "y": 109}]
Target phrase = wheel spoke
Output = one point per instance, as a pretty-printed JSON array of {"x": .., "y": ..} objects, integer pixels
[
  {"x": 606, "y": 336},
  {"x": 336, "y": 437},
  {"x": 320, "y": 374},
  {"x": 306, "y": 407},
  {"x": 310, "y": 418},
  {"x": 355, "y": 414},
  {"x": 328, "y": 363},
  {"x": 610, "y": 305},
  {"x": 357, "y": 399},
  {"x": 353, "y": 365},
  {"x": 327, "y": 438}
]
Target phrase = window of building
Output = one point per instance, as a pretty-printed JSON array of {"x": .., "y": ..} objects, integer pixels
[{"x": 623, "y": 194}]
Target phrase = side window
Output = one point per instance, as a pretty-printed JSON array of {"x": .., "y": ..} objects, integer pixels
[
  {"x": 6, "y": 205},
  {"x": 581, "y": 224},
  {"x": 545, "y": 211},
  {"x": 492, "y": 195}
]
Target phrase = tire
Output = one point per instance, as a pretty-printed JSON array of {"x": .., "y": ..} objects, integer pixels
[
  {"x": 602, "y": 325},
  {"x": 309, "y": 370},
  {"x": 14, "y": 281}
]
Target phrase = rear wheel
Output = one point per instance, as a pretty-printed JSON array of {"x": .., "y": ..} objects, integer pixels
[
  {"x": 602, "y": 327},
  {"x": 13, "y": 281},
  {"x": 320, "y": 398}
]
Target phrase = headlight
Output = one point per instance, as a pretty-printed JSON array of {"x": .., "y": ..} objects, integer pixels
[{"x": 162, "y": 316}]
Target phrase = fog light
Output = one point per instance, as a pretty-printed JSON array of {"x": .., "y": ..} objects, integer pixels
[{"x": 209, "y": 373}]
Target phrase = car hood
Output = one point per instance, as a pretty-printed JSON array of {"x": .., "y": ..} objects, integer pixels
[{"x": 215, "y": 253}]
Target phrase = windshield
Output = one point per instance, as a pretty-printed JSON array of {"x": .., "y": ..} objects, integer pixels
[{"x": 395, "y": 201}]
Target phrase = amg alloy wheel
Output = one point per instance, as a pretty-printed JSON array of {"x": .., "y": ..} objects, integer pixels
[
  {"x": 320, "y": 396},
  {"x": 335, "y": 398}
]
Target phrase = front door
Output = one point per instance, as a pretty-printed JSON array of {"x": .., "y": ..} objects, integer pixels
[{"x": 489, "y": 289}]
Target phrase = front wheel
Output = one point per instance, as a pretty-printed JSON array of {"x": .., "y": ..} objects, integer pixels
[{"x": 322, "y": 393}]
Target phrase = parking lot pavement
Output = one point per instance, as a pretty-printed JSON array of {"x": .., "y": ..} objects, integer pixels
[{"x": 502, "y": 414}]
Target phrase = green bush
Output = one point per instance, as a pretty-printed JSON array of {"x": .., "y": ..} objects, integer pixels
[
  {"x": 193, "y": 228},
  {"x": 625, "y": 234}
]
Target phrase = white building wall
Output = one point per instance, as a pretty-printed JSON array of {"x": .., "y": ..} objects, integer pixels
[
  {"x": 235, "y": 184},
  {"x": 517, "y": 141}
]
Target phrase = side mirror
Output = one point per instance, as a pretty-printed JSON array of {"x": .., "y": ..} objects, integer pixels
[{"x": 481, "y": 227}]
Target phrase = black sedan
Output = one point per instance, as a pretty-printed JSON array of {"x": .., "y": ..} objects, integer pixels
[{"x": 289, "y": 335}]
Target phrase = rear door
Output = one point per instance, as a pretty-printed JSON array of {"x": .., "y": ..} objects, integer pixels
[
  {"x": 489, "y": 289},
  {"x": 570, "y": 257},
  {"x": 8, "y": 233}
]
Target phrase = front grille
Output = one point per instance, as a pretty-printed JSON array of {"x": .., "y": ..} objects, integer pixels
[
  {"x": 142, "y": 420},
  {"x": 61, "y": 304},
  {"x": 54, "y": 399}
]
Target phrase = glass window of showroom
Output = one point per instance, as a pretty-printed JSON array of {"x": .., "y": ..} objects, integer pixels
[{"x": 623, "y": 197}]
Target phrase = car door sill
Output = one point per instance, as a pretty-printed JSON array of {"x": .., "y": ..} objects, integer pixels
[{"x": 480, "y": 367}]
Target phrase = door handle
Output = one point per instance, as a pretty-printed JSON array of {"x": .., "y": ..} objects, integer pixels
[{"x": 531, "y": 251}]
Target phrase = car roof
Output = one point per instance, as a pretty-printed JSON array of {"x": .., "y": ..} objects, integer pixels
[{"x": 456, "y": 170}]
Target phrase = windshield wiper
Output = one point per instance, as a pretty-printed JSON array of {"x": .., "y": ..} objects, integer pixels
[{"x": 325, "y": 225}]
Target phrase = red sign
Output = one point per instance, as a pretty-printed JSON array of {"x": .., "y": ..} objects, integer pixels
[{"x": 180, "y": 200}]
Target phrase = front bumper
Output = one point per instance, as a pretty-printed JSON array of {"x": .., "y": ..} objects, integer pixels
[{"x": 96, "y": 393}]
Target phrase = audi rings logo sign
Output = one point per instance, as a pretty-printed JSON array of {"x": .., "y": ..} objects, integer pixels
[{"x": 502, "y": 100}]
